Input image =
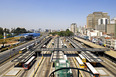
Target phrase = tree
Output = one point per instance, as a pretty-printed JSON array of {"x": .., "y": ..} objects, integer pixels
[
  {"x": 63, "y": 33},
  {"x": 19, "y": 30},
  {"x": 1, "y": 31},
  {"x": 6, "y": 30}
]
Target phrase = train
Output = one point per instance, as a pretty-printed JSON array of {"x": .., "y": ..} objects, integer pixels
[
  {"x": 63, "y": 63},
  {"x": 29, "y": 63}
]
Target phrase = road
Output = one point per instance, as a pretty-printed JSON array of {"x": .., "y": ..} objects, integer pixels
[
  {"x": 6, "y": 54},
  {"x": 44, "y": 68}
]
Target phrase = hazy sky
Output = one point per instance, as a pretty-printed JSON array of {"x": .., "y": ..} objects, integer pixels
[{"x": 51, "y": 14}]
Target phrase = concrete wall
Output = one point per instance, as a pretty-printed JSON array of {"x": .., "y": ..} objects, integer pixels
[{"x": 110, "y": 28}]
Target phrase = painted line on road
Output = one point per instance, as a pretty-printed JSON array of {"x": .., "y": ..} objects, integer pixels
[
  {"x": 51, "y": 68},
  {"x": 39, "y": 67},
  {"x": 35, "y": 72}
]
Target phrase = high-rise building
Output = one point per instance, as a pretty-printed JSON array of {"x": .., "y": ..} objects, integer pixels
[
  {"x": 92, "y": 19},
  {"x": 111, "y": 28},
  {"x": 102, "y": 25},
  {"x": 73, "y": 28},
  {"x": 113, "y": 21}
]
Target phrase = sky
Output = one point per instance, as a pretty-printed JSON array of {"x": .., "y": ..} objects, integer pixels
[{"x": 51, "y": 14}]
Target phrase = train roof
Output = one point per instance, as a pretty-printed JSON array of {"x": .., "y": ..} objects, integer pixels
[
  {"x": 30, "y": 60},
  {"x": 93, "y": 70}
]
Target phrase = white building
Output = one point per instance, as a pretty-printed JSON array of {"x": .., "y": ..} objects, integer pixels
[
  {"x": 73, "y": 28},
  {"x": 103, "y": 21},
  {"x": 113, "y": 21},
  {"x": 102, "y": 24},
  {"x": 93, "y": 33}
]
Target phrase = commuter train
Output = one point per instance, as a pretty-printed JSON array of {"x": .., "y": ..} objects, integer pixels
[{"x": 29, "y": 63}]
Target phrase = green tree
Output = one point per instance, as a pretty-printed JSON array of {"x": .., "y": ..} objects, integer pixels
[
  {"x": 6, "y": 30},
  {"x": 1, "y": 31},
  {"x": 19, "y": 30},
  {"x": 63, "y": 33}
]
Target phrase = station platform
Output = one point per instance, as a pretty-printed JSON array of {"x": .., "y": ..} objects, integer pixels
[
  {"x": 103, "y": 72},
  {"x": 13, "y": 72},
  {"x": 91, "y": 57},
  {"x": 110, "y": 53}
]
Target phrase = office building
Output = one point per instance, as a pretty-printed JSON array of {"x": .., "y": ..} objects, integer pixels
[
  {"x": 111, "y": 28},
  {"x": 102, "y": 25},
  {"x": 73, "y": 28},
  {"x": 92, "y": 19}
]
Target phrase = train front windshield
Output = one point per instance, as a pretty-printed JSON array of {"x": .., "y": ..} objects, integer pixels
[{"x": 25, "y": 66}]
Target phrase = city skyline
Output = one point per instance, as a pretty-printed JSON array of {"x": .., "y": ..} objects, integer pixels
[{"x": 51, "y": 14}]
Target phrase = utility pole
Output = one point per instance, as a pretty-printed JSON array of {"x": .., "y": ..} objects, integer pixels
[{"x": 4, "y": 37}]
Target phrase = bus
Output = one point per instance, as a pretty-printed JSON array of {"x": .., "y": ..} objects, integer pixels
[
  {"x": 80, "y": 63},
  {"x": 92, "y": 69},
  {"x": 29, "y": 63},
  {"x": 82, "y": 58}
]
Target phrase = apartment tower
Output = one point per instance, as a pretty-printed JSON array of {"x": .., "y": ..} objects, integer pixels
[
  {"x": 92, "y": 19},
  {"x": 73, "y": 28}
]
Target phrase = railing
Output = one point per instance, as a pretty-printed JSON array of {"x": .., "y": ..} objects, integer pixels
[{"x": 73, "y": 49}]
